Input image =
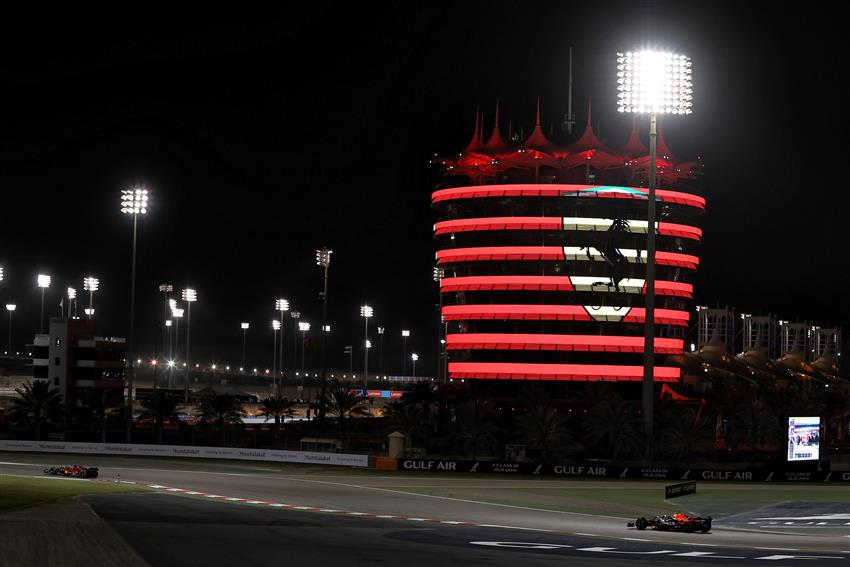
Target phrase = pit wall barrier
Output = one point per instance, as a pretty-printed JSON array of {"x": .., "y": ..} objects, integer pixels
[
  {"x": 609, "y": 471},
  {"x": 307, "y": 457}
]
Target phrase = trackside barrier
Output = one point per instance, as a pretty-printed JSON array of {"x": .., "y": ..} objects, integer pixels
[
  {"x": 339, "y": 459},
  {"x": 680, "y": 489},
  {"x": 611, "y": 471}
]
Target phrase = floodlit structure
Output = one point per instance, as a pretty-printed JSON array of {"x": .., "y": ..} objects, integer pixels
[
  {"x": 190, "y": 296},
  {"x": 542, "y": 255}
]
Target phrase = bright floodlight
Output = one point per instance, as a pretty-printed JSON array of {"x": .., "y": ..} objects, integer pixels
[
  {"x": 366, "y": 311},
  {"x": 246, "y": 326},
  {"x": 171, "y": 364},
  {"x": 177, "y": 312},
  {"x": 275, "y": 324},
  {"x": 134, "y": 201},
  {"x": 43, "y": 280},
  {"x": 405, "y": 333},
  {"x": 189, "y": 295},
  {"x": 89, "y": 311},
  {"x": 326, "y": 328},
  {"x": 72, "y": 293},
  {"x": 11, "y": 307},
  {"x": 91, "y": 284},
  {"x": 303, "y": 326},
  {"x": 1, "y": 273},
  {"x": 439, "y": 273},
  {"x": 168, "y": 322},
  {"x": 281, "y": 305},
  {"x": 166, "y": 287},
  {"x": 172, "y": 304},
  {"x": 323, "y": 257},
  {"x": 654, "y": 82},
  {"x": 381, "y": 330},
  {"x": 295, "y": 314},
  {"x": 414, "y": 357}
]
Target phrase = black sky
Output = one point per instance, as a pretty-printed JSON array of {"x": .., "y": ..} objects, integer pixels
[{"x": 264, "y": 135}]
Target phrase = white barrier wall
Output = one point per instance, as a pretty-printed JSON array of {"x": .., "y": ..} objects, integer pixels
[{"x": 341, "y": 459}]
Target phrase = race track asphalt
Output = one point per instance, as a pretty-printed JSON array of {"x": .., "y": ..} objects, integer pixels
[{"x": 339, "y": 524}]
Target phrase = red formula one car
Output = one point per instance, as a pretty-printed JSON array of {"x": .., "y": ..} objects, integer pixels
[
  {"x": 75, "y": 471},
  {"x": 674, "y": 523}
]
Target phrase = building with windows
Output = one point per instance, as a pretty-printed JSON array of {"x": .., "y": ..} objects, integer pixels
[{"x": 76, "y": 361}]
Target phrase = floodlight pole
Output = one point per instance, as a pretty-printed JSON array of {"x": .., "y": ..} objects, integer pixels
[
  {"x": 131, "y": 344},
  {"x": 188, "y": 360},
  {"x": 325, "y": 265},
  {"x": 648, "y": 397}
]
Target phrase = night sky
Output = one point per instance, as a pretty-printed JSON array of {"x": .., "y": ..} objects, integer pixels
[{"x": 264, "y": 135}]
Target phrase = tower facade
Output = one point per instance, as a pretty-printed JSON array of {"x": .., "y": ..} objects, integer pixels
[{"x": 542, "y": 253}]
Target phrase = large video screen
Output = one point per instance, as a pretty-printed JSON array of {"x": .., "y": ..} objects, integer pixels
[{"x": 803, "y": 438}]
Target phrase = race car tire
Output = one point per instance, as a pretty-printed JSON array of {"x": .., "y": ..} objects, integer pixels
[
  {"x": 640, "y": 523},
  {"x": 705, "y": 529}
]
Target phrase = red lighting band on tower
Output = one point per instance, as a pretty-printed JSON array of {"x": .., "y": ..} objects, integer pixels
[
  {"x": 495, "y": 253},
  {"x": 519, "y": 312},
  {"x": 567, "y": 372},
  {"x": 587, "y": 343},
  {"x": 561, "y": 190},
  {"x": 547, "y": 223},
  {"x": 545, "y": 283}
]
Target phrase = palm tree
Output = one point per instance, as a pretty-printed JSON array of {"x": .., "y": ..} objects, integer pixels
[
  {"x": 37, "y": 405},
  {"x": 541, "y": 426},
  {"x": 276, "y": 407},
  {"x": 103, "y": 404},
  {"x": 342, "y": 402},
  {"x": 223, "y": 410},
  {"x": 406, "y": 418},
  {"x": 475, "y": 426},
  {"x": 685, "y": 433},
  {"x": 159, "y": 408},
  {"x": 615, "y": 426}
]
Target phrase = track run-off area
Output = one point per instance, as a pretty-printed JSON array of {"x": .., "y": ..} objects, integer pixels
[{"x": 215, "y": 513}]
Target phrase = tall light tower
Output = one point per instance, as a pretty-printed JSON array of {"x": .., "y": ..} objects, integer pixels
[
  {"x": 245, "y": 327},
  {"x": 414, "y": 357},
  {"x": 295, "y": 316},
  {"x": 276, "y": 326},
  {"x": 176, "y": 315},
  {"x": 72, "y": 301},
  {"x": 190, "y": 296},
  {"x": 381, "y": 350},
  {"x": 43, "y": 282},
  {"x": 133, "y": 202},
  {"x": 323, "y": 258},
  {"x": 281, "y": 305},
  {"x": 165, "y": 289},
  {"x": 366, "y": 312},
  {"x": 10, "y": 307},
  {"x": 404, "y": 334},
  {"x": 652, "y": 82},
  {"x": 91, "y": 285}
]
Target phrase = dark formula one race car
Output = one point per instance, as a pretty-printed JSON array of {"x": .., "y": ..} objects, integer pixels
[
  {"x": 75, "y": 471},
  {"x": 674, "y": 523}
]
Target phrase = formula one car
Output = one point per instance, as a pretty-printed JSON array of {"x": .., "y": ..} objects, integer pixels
[
  {"x": 75, "y": 471},
  {"x": 674, "y": 523}
]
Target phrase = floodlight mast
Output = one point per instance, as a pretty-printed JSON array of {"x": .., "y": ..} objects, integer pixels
[
  {"x": 323, "y": 259},
  {"x": 366, "y": 312},
  {"x": 281, "y": 305},
  {"x": 655, "y": 83},
  {"x": 190, "y": 296}
]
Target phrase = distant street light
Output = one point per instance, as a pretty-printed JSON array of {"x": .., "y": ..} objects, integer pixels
[
  {"x": 276, "y": 326},
  {"x": 323, "y": 258},
  {"x": 245, "y": 327},
  {"x": 190, "y": 296},
  {"x": 10, "y": 307},
  {"x": 133, "y": 202},
  {"x": 414, "y": 357},
  {"x": 72, "y": 301},
  {"x": 303, "y": 326},
  {"x": 381, "y": 350},
  {"x": 655, "y": 83},
  {"x": 91, "y": 285},
  {"x": 404, "y": 334},
  {"x": 43, "y": 282}
]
